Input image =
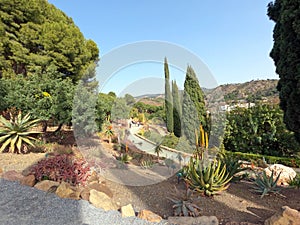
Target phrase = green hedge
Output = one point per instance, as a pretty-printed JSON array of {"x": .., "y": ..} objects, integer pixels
[{"x": 292, "y": 162}]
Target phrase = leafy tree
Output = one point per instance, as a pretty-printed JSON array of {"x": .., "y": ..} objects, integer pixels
[
  {"x": 35, "y": 35},
  {"x": 177, "y": 111},
  {"x": 129, "y": 99},
  {"x": 193, "y": 109},
  {"x": 168, "y": 99},
  {"x": 286, "y": 54}
]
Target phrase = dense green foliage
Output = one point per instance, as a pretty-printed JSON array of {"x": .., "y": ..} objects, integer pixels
[
  {"x": 35, "y": 35},
  {"x": 286, "y": 54},
  {"x": 168, "y": 99},
  {"x": 259, "y": 129},
  {"x": 43, "y": 95},
  {"x": 193, "y": 109},
  {"x": 177, "y": 110}
]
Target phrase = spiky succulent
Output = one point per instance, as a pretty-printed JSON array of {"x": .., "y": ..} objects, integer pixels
[
  {"x": 209, "y": 179},
  {"x": 265, "y": 184},
  {"x": 233, "y": 166},
  {"x": 185, "y": 206},
  {"x": 16, "y": 133}
]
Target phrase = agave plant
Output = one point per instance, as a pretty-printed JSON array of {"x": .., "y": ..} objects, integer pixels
[
  {"x": 184, "y": 206},
  {"x": 265, "y": 184},
  {"x": 16, "y": 133},
  {"x": 209, "y": 179},
  {"x": 233, "y": 166}
]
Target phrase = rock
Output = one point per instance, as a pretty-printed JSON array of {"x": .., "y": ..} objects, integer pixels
[
  {"x": 45, "y": 185},
  {"x": 28, "y": 180},
  {"x": 85, "y": 194},
  {"x": 150, "y": 216},
  {"x": 287, "y": 173},
  {"x": 101, "y": 200},
  {"x": 12, "y": 175},
  {"x": 93, "y": 177},
  {"x": 285, "y": 216},
  {"x": 202, "y": 220},
  {"x": 65, "y": 190},
  {"x": 127, "y": 211},
  {"x": 101, "y": 188},
  {"x": 1, "y": 170}
]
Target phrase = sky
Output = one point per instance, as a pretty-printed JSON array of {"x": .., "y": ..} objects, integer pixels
[{"x": 231, "y": 38}]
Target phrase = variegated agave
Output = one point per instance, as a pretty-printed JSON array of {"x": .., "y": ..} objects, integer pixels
[{"x": 16, "y": 133}]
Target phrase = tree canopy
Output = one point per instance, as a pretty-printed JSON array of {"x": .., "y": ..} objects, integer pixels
[
  {"x": 286, "y": 55},
  {"x": 35, "y": 35}
]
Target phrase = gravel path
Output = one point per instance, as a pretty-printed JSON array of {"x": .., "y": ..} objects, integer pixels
[{"x": 24, "y": 205}]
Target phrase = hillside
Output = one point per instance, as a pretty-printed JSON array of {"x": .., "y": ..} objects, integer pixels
[{"x": 252, "y": 91}]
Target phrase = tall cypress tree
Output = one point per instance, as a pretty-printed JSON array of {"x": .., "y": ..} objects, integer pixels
[
  {"x": 168, "y": 99},
  {"x": 286, "y": 55},
  {"x": 193, "y": 109},
  {"x": 177, "y": 111}
]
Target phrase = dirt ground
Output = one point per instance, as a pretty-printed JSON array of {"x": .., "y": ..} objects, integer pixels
[{"x": 238, "y": 204}]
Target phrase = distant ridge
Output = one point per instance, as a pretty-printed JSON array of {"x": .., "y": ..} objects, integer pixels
[{"x": 251, "y": 91}]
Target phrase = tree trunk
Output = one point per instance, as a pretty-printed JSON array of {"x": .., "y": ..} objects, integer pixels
[
  {"x": 58, "y": 128},
  {"x": 44, "y": 126}
]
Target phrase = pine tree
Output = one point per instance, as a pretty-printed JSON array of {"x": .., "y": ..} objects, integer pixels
[
  {"x": 168, "y": 99},
  {"x": 193, "y": 109},
  {"x": 177, "y": 111}
]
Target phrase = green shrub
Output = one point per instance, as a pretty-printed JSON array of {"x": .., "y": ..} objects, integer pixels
[{"x": 291, "y": 162}]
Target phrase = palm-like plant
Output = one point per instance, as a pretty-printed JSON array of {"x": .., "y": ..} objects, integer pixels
[
  {"x": 16, "y": 133},
  {"x": 158, "y": 150}
]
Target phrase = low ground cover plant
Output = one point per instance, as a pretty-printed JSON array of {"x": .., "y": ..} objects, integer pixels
[{"x": 60, "y": 168}]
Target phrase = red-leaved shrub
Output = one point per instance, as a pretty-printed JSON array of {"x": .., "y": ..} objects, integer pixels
[{"x": 62, "y": 168}]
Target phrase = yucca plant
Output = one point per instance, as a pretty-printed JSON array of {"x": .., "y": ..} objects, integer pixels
[
  {"x": 265, "y": 184},
  {"x": 184, "y": 206},
  {"x": 16, "y": 133},
  {"x": 209, "y": 179}
]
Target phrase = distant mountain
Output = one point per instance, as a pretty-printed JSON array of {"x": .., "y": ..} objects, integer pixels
[{"x": 252, "y": 91}]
